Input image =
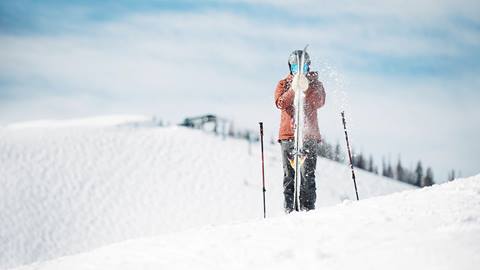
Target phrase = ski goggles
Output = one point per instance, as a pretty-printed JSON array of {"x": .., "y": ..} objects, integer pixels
[{"x": 294, "y": 68}]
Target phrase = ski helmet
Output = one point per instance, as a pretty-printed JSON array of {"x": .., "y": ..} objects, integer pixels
[{"x": 295, "y": 56}]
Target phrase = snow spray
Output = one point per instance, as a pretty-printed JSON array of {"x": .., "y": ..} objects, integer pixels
[{"x": 340, "y": 100}]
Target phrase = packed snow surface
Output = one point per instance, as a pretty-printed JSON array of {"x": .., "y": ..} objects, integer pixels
[
  {"x": 71, "y": 186},
  {"x": 433, "y": 228}
]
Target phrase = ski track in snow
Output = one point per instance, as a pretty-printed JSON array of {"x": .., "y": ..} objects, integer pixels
[{"x": 68, "y": 188}]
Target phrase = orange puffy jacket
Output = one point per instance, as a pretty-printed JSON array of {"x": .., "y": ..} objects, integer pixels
[{"x": 314, "y": 99}]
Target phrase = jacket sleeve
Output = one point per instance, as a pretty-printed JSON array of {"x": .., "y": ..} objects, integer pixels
[
  {"x": 284, "y": 96},
  {"x": 316, "y": 95}
]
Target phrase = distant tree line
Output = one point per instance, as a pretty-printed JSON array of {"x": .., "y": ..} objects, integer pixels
[{"x": 418, "y": 176}]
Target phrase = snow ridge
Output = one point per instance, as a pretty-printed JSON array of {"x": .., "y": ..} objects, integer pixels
[{"x": 70, "y": 188}]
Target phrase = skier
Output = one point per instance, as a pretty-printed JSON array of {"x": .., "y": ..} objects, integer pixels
[{"x": 314, "y": 98}]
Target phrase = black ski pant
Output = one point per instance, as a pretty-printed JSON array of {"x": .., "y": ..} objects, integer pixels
[{"x": 308, "y": 193}]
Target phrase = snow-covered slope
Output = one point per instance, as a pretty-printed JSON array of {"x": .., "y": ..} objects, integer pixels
[
  {"x": 99, "y": 121},
  {"x": 433, "y": 228},
  {"x": 72, "y": 186}
]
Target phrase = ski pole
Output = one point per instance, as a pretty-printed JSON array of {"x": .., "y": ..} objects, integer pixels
[
  {"x": 349, "y": 153},
  {"x": 263, "y": 172}
]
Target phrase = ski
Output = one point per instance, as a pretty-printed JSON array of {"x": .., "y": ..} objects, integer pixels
[{"x": 299, "y": 155}]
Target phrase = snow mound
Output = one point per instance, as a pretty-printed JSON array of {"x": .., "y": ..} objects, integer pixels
[
  {"x": 432, "y": 228},
  {"x": 70, "y": 188}
]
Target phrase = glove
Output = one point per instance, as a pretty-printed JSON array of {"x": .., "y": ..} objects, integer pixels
[{"x": 300, "y": 83}]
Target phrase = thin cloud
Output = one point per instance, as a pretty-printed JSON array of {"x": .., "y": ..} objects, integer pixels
[{"x": 179, "y": 63}]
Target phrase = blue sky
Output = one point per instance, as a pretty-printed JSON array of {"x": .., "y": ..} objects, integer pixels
[{"x": 406, "y": 72}]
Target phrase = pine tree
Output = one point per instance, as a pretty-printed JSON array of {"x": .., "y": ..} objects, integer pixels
[
  {"x": 370, "y": 164},
  {"x": 330, "y": 153},
  {"x": 428, "y": 179},
  {"x": 354, "y": 158},
  {"x": 325, "y": 150},
  {"x": 390, "y": 171},
  {"x": 321, "y": 149},
  {"x": 418, "y": 174},
  {"x": 361, "y": 162},
  {"x": 400, "y": 172},
  {"x": 338, "y": 153},
  {"x": 384, "y": 168},
  {"x": 451, "y": 175}
]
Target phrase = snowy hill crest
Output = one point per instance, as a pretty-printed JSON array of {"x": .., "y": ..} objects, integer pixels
[{"x": 68, "y": 188}]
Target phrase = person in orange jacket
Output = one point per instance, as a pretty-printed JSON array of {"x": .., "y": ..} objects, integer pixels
[{"x": 314, "y": 99}]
